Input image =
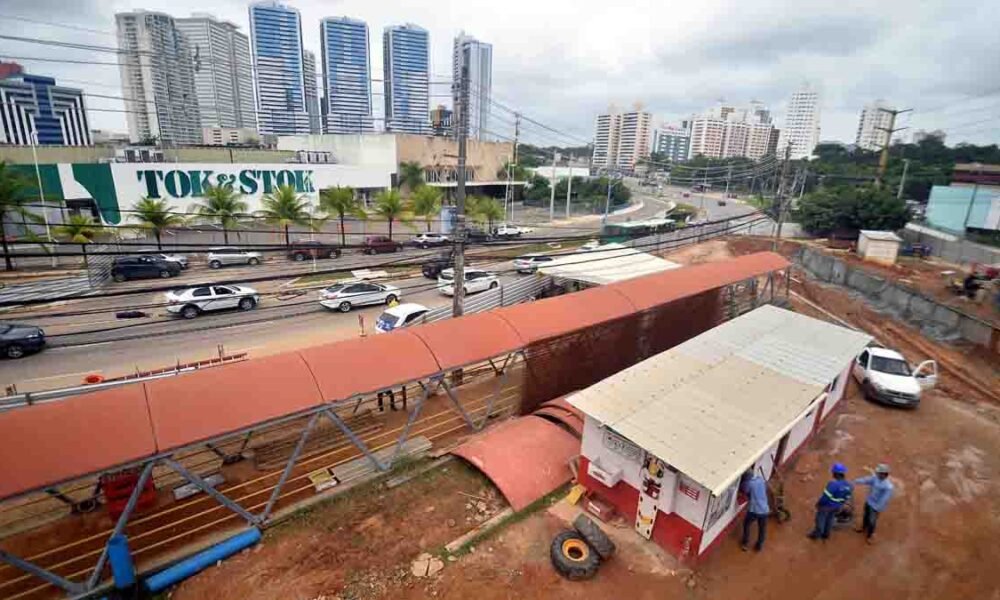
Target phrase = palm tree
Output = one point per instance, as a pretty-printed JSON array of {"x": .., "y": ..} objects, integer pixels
[
  {"x": 284, "y": 207},
  {"x": 426, "y": 203},
  {"x": 13, "y": 199},
  {"x": 221, "y": 205},
  {"x": 341, "y": 201},
  {"x": 411, "y": 175},
  {"x": 485, "y": 209},
  {"x": 390, "y": 206},
  {"x": 80, "y": 229},
  {"x": 156, "y": 215}
]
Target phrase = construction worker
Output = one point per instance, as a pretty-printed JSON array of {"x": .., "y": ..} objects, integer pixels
[
  {"x": 878, "y": 497},
  {"x": 757, "y": 512},
  {"x": 835, "y": 494}
]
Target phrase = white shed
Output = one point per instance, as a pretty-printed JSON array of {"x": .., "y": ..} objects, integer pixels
[{"x": 878, "y": 246}]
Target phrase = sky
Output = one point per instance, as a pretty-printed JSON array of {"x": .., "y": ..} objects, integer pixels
[{"x": 562, "y": 62}]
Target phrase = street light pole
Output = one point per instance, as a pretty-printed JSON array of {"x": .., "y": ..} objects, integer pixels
[
  {"x": 458, "y": 282},
  {"x": 33, "y": 137},
  {"x": 902, "y": 181}
]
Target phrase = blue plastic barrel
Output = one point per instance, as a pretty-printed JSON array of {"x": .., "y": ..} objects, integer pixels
[
  {"x": 122, "y": 567},
  {"x": 206, "y": 558}
]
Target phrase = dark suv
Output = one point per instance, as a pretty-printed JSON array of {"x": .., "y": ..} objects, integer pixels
[
  {"x": 476, "y": 235},
  {"x": 143, "y": 267},
  {"x": 380, "y": 244},
  {"x": 18, "y": 339},
  {"x": 432, "y": 267},
  {"x": 304, "y": 249}
]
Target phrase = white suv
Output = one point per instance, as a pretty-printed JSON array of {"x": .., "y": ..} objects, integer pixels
[
  {"x": 219, "y": 257},
  {"x": 476, "y": 280},
  {"x": 191, "y": 302}
]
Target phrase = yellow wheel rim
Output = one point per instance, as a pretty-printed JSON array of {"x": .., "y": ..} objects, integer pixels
[{"x": 576, "y": 550}]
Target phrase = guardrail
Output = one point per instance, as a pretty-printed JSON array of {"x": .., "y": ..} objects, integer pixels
[{"x": 505, "y": 295}]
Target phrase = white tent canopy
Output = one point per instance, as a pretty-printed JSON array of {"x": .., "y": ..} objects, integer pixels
[{"x": 607, "y": 264}]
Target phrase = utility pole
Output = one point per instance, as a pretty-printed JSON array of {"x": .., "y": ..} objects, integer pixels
[
  {"x": 607, "y": 201},
  {"x": 569, "y": 186},
  {"x": 729, "y": 175},
  {"x": 883, "y": 161},
  {"x": 779, "y": 198},
  {"x": 458, "y": 283},
  {"x": 552, "y": 184},
  {"x": 902, "y": 181}
]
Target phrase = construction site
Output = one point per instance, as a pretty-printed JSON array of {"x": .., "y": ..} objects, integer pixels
[{"x": 443, "y": 459}]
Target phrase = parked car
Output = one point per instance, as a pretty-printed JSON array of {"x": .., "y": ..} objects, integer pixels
[
  {"x": 400, "y": 316},
  {"x": 345, "y": 296},
  {"x": 476, "y": 235},
  {"x": 220, "y": 257},
  {"x": 886, "y": 377},
  {"x": 432, "y": 267},
  {"x": 19, "y": 339},
  {"x": 191, "y": 302},
  {"x": 142, "y": 267},
  {"x": 509, "y": 231},
  {"x": 476, "y": 280},
  {"x": 180, "y": 259},
  {"x": 426, "y": 240},
  {"x": 304, "y": 249},
  {"x": 380, "y": 244},
  {"x": 529, "y": 263}
]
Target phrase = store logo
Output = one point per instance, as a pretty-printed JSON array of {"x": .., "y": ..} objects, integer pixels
[{"x": 185, "y": 184}]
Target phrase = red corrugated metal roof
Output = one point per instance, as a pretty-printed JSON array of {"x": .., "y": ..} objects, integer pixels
[
  {"x": 52, "y": 442},
  {"x": 197, "y": 406},
  {"x": 526, "y": 458},
  {"x": 458, "y": 342},
  {"x": 543, "y": 319}
]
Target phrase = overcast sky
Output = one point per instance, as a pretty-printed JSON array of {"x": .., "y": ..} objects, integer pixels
[{"x": 563, "y": 61}]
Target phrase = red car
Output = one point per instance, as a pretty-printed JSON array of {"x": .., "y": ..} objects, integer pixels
[{"x": 380, "y": 244}]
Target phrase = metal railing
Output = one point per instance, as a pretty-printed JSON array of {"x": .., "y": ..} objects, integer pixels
[{"x": 505, "y": 295}]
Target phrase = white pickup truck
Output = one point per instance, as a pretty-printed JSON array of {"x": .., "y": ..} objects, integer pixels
[{"x": 886, "y": 377}]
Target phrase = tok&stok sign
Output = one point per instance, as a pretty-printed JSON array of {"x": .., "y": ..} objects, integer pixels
[{"x": 192, "y": 182}]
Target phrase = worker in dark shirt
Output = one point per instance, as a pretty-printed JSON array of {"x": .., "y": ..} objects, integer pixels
[{"x": 836, "y": 493}]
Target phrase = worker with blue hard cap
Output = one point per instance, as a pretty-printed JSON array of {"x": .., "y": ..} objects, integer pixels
[{"x": 836, "y": 493}]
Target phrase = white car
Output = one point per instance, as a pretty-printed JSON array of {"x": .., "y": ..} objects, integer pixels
[
  {"x": 511, "y": 231},
  {"x": 529, "y": 263},
  {"x": 180, "y": 259},
  {"x": 591, "y": 245},
  {"x": 219, "y": 257},
  {"x": 191, "y": 302},
  {"x": 426, "y": 240},
  {"x": 476, "y": 280},
  {"x": 345, "y": 296},
  {"x": 400, "y": 316},
  {"x": 886, "y": 377}
]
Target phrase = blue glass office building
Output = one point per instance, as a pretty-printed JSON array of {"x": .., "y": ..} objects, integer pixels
[
  {"x": 346, "y": 75},
  {"x": 406, "y": 60},
  {"x": 33, "y": 105},
  {"x": 276, "y": 32}
]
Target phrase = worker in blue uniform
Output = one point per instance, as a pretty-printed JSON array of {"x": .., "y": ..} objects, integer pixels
[
  {"x": 878, "y": 498},
  {"x": 836, "y": 493},
  {"x": 757, "y": 512}
]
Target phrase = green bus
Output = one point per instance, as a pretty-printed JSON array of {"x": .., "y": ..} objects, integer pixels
[{"x": 630, "y": 230}]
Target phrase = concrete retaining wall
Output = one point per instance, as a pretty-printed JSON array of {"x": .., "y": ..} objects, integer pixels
[{"x": 932, "y": 317}]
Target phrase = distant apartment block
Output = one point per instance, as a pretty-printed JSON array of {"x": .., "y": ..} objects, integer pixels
[
  {"x": 223, "y": 72},
  {"x": 477, "y": 56},
  {"x": 673, "y": 143},
  {"x": 309, "y": 77},
  {"x": 441, "y": 121},
  {"x": 34, "y": 110},
  {"x": 406, "y": 66},
  {"x": 228, "y": 136},
  {"x": 729, "y": 132},
  {"x": 346, "y": 68},
  {"x": 156, "y": 64},
  {"x": 801, "y": 130},
  {"x": 276, "y": 44},
  {"x": 873, "y": 126},
  {"x": 621, "y": 140}
]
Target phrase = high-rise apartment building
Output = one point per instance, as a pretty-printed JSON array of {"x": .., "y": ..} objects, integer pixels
[
  {"x": 672, "y": 143},
  {"x": 621, "y": 139},
  {"x": 873, "y": 126},
  {"x": 441, "y": 121},
  {"x": 157, "y": 74},
  {"x": 346, "y": 68},
  {"x": 34, "y": 110},
  {"x": 276, "y": 44},
  {"x": 728, "y": 132},
  {"x": 223, "y": 72},
  {"x": 477, "y": 56},
  {"x": 309, "y": 77},
  {"x": 801, "y": 130},
  {"x": 406, "y": 65}
]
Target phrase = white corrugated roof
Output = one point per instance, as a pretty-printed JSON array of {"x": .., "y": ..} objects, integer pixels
[
  {"x": 712, "y": 405},
  {"x": 884, "y": 236},
  {"x": 607, "y": 264}
]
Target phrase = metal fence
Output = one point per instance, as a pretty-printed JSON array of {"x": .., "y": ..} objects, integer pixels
[
  {"x": 505, "y": 295},
  {"x": 99, "y": 264}
]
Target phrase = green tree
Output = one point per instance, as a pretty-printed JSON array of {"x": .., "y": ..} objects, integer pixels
[
  {"x": 538, "y": 188},
  {"x": 411, "y": 176},
  {"x": 390, "y": 206},
  {"x": 221, "y": 205},
  {"x": 284, "y": 207},
  {"x": 341, "y": 201},
  {"x": 484, "y": 210},
  {"x": 830, "y": 208},
  {"x": 517, "y": 172},
  {"x": 13, "y": 198},
  {"x": 426, "y": 203},
  {"x": 157, "y": 216},
  {"x": 80, "y": 229}
]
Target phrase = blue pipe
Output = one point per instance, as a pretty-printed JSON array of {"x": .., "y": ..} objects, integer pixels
[
  {"x": 120, "y": 558},
  {"x": 206, "y": 558}
]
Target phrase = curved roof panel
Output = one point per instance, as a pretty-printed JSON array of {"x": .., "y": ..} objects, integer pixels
[
  {"x": 211, "y": 402},
  {"x": 459, "y": 342},
  {"x": 543, "y": 319},
  {"x": 362, "y": 365},
  {"x": 47, "y": 443}
]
